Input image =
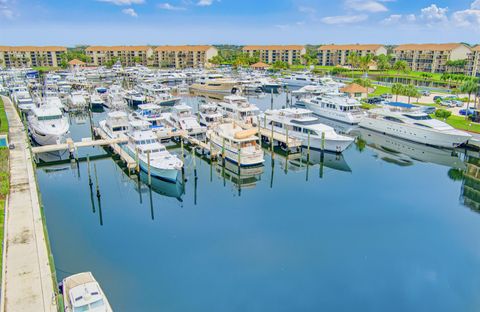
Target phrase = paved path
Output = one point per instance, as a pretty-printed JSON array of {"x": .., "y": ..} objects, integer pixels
[{"x": 27, "y": 283}]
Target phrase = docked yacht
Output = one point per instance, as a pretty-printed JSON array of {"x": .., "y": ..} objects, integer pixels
[
  {"x": 144, "y": 144},
  {"x": 241, "y": 147},
  {"x": 150, "y": 113},
  {"x": 336, "y": 106},
  {"x": 134, "y": 98},
  {"x": 209, "y": 114},
  {"x": 96, "y": 102},
  {"x": 52, "y": 99},
  {"x": 216, "y": 85},
  {"x": 76, "y": 101},
  {"x": 166, "y": 99},
  {"x": 115, "y": 125},
  {"x": 239, "y": 108},
  {"x": 413, "y": 125},
  {"x": 302, "y": 125},
  {"x": 298, "y": 80},
  {"x": 81, "y": 292},
  {"x": 181, "y": 117},
  {"x": 47, "y": 125}
]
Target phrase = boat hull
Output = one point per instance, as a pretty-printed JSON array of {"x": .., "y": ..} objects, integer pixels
[
  {"x": 169, "y": 175},
  {"x": 415, "y": 134}
]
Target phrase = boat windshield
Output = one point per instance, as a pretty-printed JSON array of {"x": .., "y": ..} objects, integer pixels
[
  {"x": 52, "y": 117},
  {"x": 306, "y": 122},
  {"x": 418, "y": 117},
  {"x": 90, "y": 307},
  {"x": 147, "y": 141}
]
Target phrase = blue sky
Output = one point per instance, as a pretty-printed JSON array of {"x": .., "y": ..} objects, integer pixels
[{"x": 110, "y": 22}]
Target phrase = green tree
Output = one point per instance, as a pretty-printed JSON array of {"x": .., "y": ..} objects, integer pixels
[
  {"x": 400, "y": 67},
  {"x": 383, "y": 61},
  {"x": 470, "y": 87},
  {"x": 397, "y": 89},
  {"x": 353, "y": 60},
  {"x": 410, "y": 91},
  {"x": 365, "y": 62},
  {"x": 366, "y": 83}
]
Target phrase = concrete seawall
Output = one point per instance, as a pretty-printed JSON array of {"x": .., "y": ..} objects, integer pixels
[{"x": 27, "y": 283}]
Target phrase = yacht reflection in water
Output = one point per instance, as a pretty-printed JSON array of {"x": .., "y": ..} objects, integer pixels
[
  {"x": 161, "y": 187},
  {"x": 240, "y": 177},
  {"x": 404, "y": 153},
  {"x": 470, "y": 177}
]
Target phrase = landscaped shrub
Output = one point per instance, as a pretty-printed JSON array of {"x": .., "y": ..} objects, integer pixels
[{"x": 442, "y": 113}]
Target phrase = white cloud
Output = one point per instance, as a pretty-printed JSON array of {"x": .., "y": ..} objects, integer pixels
[
  {"x": 399, "y": 19},
  {"x": 372, "y": 6},
  {"x": 467, "y": 18},
  {"x": 344, "y": 19},
  {"x": 6, "y": 10},
  {"x": 475, "y": 5},
  {"x": 123, "y": 2},
  {"x": 411, "y": 18},
  {"x": 170, "y": 7},
  {"x": 434, "y": 14},
  {"x": 308, "y": 10},
  {"x": 130, "y": 12},
  {"x": 205, "y": 2}
]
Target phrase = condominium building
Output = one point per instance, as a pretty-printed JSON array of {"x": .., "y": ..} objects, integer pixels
[
  {"x": 127, "y": 55},
  {"x": 31, "y": 56},
  {"x": 270, "y": 54},
  {"x": 188, "y": 56},
  {"x": 473, "y": 62},
  {"x": 431, "y": 58},
  {"x": 333, "y": 55}
]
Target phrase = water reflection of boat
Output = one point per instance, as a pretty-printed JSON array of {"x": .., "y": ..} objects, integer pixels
[
  {"x": 470, "y": 193},
  {"x": 404, "y": 152},
  {"x": 244, "y": 177},
  {"x": 329, "y": 160},
  {"x": 52, "y": 156},
  {"x": 162, "y": 187}
]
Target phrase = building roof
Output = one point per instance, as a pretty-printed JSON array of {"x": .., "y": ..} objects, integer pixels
[
  {"x": 32, "y": 49},
  {"x": 354, "y": 88},
  {"x": 117, "y": 48},
  {"x": 273, "y": 47},
  {"x": 477, "y": 48},
  {"x": 429, "y": 47},
  {"x": 260, "y": 65},
  {"x": 195, "y": 48},
  {"x": 76, "y": 62},
  {"x": 358, "y": 47}
]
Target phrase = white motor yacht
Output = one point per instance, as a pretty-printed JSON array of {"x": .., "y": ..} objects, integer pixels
[
  {"x": 76, "y": 101},
  {"x": 302, "y": 125},
  {"x": 241, "y": 147},
  {"x": 115, "y": 125},
  {"x": 209, "y": 114},
  {"x": 150, "y": 113},
  {"x": 336, "y": 106},
  {"x": 144, "y": 144},
  {"x": 413, "y": 125},
  {"x": 181, "y": 118},
  {"x": 134, "y": 98},
  {"x": 239, "y": 108},
  {"x": 81, "y": 292},
  {"x": 47, "y": 125}
]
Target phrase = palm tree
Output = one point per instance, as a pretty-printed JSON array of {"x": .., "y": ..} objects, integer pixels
[
  {"x": 397, "y": 89},
  {"x": 411, "y": 91},
  {"x": 383, "y": 61},
  {"x": 365, "y": 63},
  {"x": 469, "y": 87},
  {"x": 354, "y": 60},
  {"x": 400, "y": 66}
]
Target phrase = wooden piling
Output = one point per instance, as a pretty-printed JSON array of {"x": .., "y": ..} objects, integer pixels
[
  {"x": 323, "y": 141},
  {"x": 137, "y": 161},
  {"x": 149, "y": 170},
  {"x": 308, "y": 147}
]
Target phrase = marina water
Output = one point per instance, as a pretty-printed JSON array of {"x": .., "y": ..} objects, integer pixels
[{"x": 387, "y": 226}]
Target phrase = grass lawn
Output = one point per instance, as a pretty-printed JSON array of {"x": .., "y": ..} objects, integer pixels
[
  {"x": 379, "y": 90},
  {"x": 4, "y": 187},
  {"x": 3, "y": 119},
  {"x": 459, "y": 122}
]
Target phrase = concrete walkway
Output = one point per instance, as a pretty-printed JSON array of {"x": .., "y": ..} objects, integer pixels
[{"x": 27, "y": 283}]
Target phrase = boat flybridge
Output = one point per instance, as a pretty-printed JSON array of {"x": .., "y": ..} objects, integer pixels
[
  {"x": 151, "y": 113},
  {"x": 216, "y": 84},
  {"x": 81, "y": 292},
  {"x": 209, "y": 114},
  {"x": 413, "y": 125},
  {"x": 152, "y": 155},
  {"x": 47, "y": 125},
  {"x": 241, "y": 147},
  {"x": 181, "y": 117},
  {"x": 304, "y": 126},
  {"x": 115, "y": 125},
  {"x": 336, "y": 106},
  {"x": 239, "y": 108}
]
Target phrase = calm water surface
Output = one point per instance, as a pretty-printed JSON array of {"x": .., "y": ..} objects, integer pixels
[{"x": 388, "y": 226}]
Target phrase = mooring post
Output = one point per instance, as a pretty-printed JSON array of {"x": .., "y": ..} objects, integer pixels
[
  {"x": 308, "y": 147},
  {"x": 271, "y": 98},
  {"x": 149, "y": 170},
  {"x": 223, "y": 148},
  {"x": 137, "y": 161},
  {"x": 96, "y": 179},
  {"x": 194, "y": 158},
  {"x": 271, "y": 140},
  {"x": 181, "y": 148},
  {"x": 88, "y": 170},
  {"x": 323, "y": 141}
]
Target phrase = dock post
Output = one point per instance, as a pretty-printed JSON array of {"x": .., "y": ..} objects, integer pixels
[
  {"x": 137, "y": 160},
  {"x": 271, "y": 98},
  {"x": 149, "y": 172},
  {"x": 88, "y": 170},
  {"x": 194, "y": 156},
  {"x": 323, "y": 141},
  {"x": 286, "y": 136},
  {"x": 211, "y": 150},
  {"x": 308, "y": 148},
  {"x": 239, "y": 159},
  {"x": 181, "y": 148},
  {"x": 321, "y": 164},
  {"x": 223, "y": 148}
]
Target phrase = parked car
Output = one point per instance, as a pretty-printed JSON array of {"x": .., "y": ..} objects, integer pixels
[
  {"x": 437, "y": 97},
  {"x": 475, "y": 117},
  {"x": 374, "y": 100},
  {"x": 447, "y": 103},
  {"x": 425, "y": 92},
  {"x": 386, "y": 96},
  {"x": 467, "y": 112}
]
